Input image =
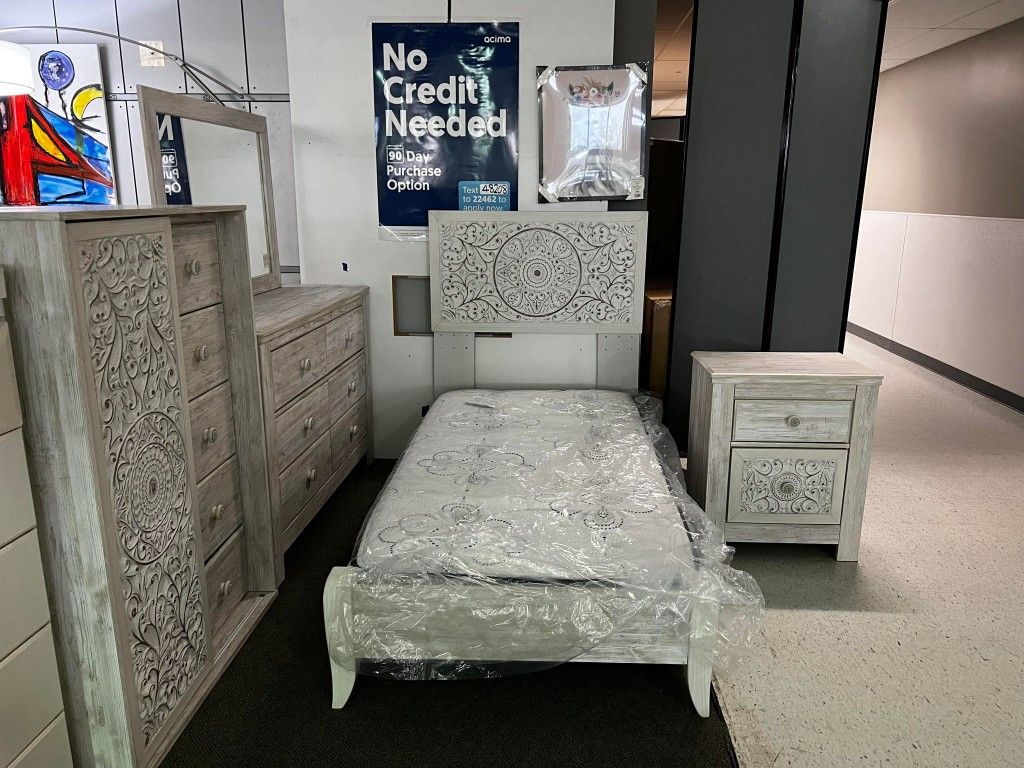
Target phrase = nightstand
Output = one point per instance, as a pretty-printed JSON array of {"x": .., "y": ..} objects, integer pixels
[{"x": 780, "y": 444}]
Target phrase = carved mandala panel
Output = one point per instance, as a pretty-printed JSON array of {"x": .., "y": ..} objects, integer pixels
[
  {"x": 792, "y": 486},
  {"x": 131, "y": 327},
  {"x": 538, "y": 271}
]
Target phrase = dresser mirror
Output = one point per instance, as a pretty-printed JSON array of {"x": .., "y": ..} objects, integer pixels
[{"x": 201, "y": 153}]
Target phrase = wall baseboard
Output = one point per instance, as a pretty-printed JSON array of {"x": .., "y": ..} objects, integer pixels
[{"x": 982, "y": 387}]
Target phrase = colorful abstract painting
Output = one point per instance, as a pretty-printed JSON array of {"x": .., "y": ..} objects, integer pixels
[{"x": 55, "y": 146}]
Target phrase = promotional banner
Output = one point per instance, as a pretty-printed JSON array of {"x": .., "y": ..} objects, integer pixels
[
  {"x": 446, "y": 117},
  {"x": 173, "y": 160}
]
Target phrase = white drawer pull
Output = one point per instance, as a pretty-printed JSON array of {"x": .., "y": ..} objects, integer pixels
[
  {"x": 210, "y": 435},
  {"x": 306, "y": 365},
  {"x": 202, "y": 353},
  {"x": 354, "y": 431},
  {"x": 194, "y": 267},
  {"x": 352, "y": 386},
  {"x": 225, "y": 588},
  {"x": 310, "y": 423},
  {"x": 217, "y": 512},
  {"x": 793, "y": 421},
  {"x": 311, "y": 476}
]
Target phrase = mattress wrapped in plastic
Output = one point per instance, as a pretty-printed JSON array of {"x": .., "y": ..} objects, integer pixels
[{"x": 526, "y": 528}]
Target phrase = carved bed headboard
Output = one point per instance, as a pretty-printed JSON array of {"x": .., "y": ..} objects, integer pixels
[{"x": 530, "y": 272}]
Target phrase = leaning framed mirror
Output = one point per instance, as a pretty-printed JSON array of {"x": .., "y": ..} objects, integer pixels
[{"x": 201, "y": 153}]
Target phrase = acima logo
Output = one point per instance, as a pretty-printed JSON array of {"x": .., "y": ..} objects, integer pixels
[{"x": 497, "y": 39}]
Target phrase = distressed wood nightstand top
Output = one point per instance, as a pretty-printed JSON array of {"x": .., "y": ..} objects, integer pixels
[{"x": 800, "y": 365}]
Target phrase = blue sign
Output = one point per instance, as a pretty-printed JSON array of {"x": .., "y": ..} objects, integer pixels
[
  {"x": 446, "y": 117},
  {"x": 485, "y": 196}
]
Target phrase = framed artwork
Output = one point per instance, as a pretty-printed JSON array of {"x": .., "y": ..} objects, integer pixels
[
  {"x": 55, "y": 144},
  {"x": 593, "y": 132}
]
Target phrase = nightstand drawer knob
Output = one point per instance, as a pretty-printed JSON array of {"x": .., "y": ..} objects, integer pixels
[
  {"x": 787, "y": 489},
  {"x": 793, "y": 421}
]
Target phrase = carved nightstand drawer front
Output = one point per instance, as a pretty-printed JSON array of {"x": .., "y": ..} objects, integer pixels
[
  {"x": 786, "y": 485},
  {"x": 792, "y": 421}
]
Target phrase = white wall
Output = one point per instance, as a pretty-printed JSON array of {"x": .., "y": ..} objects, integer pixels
[
  {"x": 330, "y": 82},
  {"x": 950, "y": 287}
]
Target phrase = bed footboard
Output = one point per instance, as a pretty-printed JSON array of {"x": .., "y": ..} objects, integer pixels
[{"x": 337, "y": 618}]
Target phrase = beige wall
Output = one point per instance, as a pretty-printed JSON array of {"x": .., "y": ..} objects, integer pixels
[{"x": 948, "y": 132}]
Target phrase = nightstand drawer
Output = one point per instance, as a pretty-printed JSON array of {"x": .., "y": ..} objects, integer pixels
[
  {"x": 786, "y": 485},
  {"x": 792, "y": 421}
]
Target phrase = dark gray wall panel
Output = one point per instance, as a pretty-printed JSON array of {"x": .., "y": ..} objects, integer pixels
[
  {"x": 740, "y": 62},
  {"x": 835, "y": 74}
]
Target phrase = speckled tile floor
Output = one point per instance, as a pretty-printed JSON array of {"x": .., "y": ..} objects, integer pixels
[{"x": 914, "y": 656}]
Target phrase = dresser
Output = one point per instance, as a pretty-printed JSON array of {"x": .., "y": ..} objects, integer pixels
[
  {"x": 136, "y": 355},
  {"x": 33, "y": 731},
  {"x": 779, "y": 445},
  {"x": 316, "y": 396}
]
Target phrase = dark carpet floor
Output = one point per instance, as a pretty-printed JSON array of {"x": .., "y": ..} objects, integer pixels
[{"x": 272, "y": 706}]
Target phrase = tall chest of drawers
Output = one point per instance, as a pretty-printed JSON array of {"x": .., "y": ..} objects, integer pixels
[
  {"x": 779, "y": 445},
  {"x": 137, "y": 362},
  {"x": 314, "y": 367}
]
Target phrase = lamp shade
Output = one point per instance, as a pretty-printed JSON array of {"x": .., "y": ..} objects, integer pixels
[{"x": 15, "y": 69}]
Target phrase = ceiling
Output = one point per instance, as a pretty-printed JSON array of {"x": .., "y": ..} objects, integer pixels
[{"x": 914, "y": 28}]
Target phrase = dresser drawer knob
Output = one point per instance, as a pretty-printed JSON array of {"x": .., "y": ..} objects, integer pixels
[
  {"x": 350, "y": 337},
  {"x": 225, "y": 588},
  {"x": 793, "y": 421},
  {"x": 194, "y": 267},
  {"x": 210, "y": 435},
  {"x": 306, "y": 365},
  {"x": 217, "y": 512},
  {"x": 352, "y": 386},
  {"x": 202, "y": 353},
  {"x": 311, "y": 476},
  {"x": 310, "y": 423},
  {"x": 354, "y": 431}
]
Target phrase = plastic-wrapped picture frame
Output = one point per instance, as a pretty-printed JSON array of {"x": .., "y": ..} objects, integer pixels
[{"x": 593, "y": 132}]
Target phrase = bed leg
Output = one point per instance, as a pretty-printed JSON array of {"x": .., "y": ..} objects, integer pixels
[
  {"x": 337, "y": 620},
  {"x": 703, "y": 621}
]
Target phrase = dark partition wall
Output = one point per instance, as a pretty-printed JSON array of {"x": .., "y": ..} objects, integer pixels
[
  {"x": 779, "y": 110},
  {"x": 833, "y": 96},
  {"x": 738, "y": 73}
]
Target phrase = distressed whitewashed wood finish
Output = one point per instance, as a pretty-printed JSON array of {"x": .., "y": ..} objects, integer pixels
[
  {"x": 792, "y": 421},
  {"x": 530, "y": 272},
  {"x": 219, "y": 508},
  {"x": 786, "y": 485},
  {"x": 197, "y": 266},
  {"x": 204, "y": 348},
  {"x": 302, "y": 423},
  {"x": 741, "y": 405},
  {"x": 70, "y": 457}
]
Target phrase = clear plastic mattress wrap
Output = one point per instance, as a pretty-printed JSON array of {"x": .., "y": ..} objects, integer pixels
[{"x": 526, "y": 528}]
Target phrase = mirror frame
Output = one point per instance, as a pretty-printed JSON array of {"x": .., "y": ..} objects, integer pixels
[{"x": 153, "y": 101}]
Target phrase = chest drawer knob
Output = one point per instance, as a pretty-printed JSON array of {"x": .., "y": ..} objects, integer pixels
[
  {"x": 217, "y": 512},
  {"x": 352, "y": 386},
  {"x": 311, "y": 476},
  {"x": 210, "y": 435},
  {"x": 793, "y": 421},
  {"x": 225, "y": 588},
  {"x": 310, "y": 423},
  {"x": 202, "y": 353},
  {"x": 306, "y": 365},
  {"x": 193, "y": 267},
  {"x": 354, "y": 431},
  {"x": 350, "y": 337}
]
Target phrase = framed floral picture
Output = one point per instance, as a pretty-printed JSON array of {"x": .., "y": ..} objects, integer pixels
[{"x": 593, "y": 132}]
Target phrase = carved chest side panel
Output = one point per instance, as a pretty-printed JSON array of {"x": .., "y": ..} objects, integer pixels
[{"x": 127, "y": 292}]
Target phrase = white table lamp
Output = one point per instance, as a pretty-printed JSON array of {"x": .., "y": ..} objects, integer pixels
[{"x": 15, "y": 69}]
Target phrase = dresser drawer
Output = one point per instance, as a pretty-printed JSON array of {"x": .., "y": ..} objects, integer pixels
[
  {"x": 345, "y": 336},
  {"x": 304, "y": 478},
  {"x": 786, "y": 485},
  {"x": 29, "y": 694},
  {"x": 51, "y": 749},
  {"x": 797, "y": 421},
  {"x": 19, "y": 514},
  {"x": 23, "y": 605},
  {"x": 218, "y": 506},
  {"x": 347, "y": 386},
  {"x": 226, "y": 579},
  {"x": 213, "y": 429},
  {"x": 298, "y": 364},
  {"x": 10, "y": 408},
  {"x": 196, "y": 266},
  {"x": 302, "y": 423},
  {"x": 348, "y": 433},
  {"x": 204, "y": 350}
]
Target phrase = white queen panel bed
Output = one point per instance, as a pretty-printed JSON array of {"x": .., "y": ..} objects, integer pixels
[{"x": 537, "y": 526}]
